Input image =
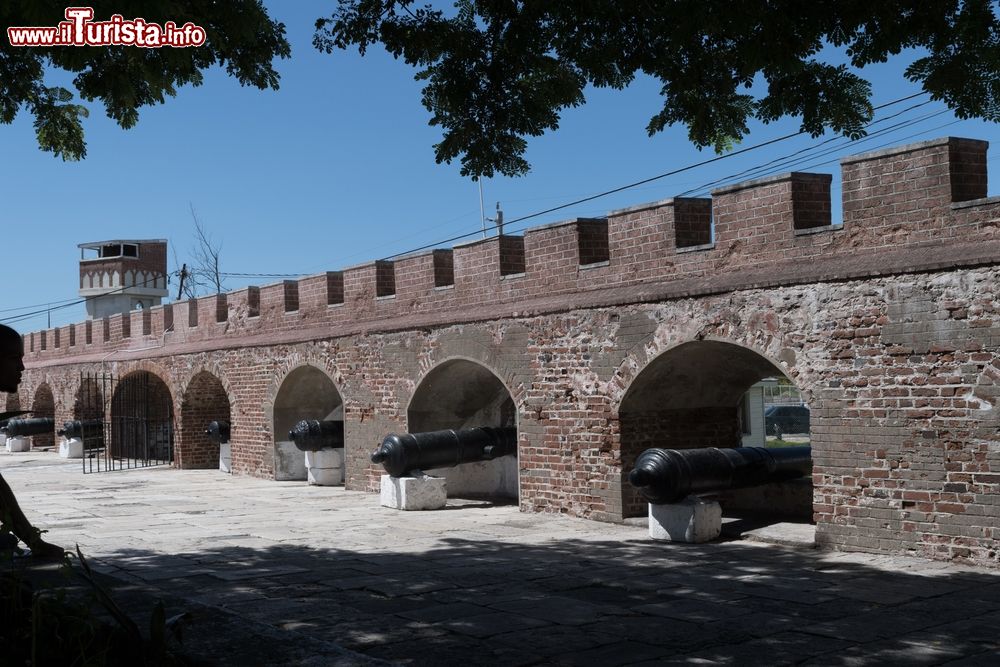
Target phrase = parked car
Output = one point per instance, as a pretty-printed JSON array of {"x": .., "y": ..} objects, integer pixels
[{"x": 781, "y": 419}]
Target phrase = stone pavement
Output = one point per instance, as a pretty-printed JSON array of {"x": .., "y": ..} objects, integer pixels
[{"x": 486, "y": 585}]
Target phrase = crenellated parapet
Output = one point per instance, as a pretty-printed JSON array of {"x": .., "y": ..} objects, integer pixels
[{"x": 914, "y": 204}]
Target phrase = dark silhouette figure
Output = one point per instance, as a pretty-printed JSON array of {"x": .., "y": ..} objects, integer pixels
[{"x": 11, "y": 366}]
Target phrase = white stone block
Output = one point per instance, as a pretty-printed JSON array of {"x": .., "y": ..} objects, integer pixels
[
  {"x": 419, "y": 492},
  {"x": 325, "y": 467},
  {"x": 496, "y": 478},
  {"x": 19, "y": 444},
  {"x": 289, "y": 462},
  {"x": 225, "y": 457},
  {"x": 71, "y": 448},
  {"x": 3, "y": 439},
  {"x": 691, "y": 520},
  {"x": 325, "y": 476}
]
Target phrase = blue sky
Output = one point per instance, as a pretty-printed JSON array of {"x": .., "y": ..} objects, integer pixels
[{"x": 337, "y": 168}]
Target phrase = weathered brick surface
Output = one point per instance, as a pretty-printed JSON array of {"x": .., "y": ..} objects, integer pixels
[
  {"x": 889, "y": 326},
  {"x": 43, "y": 405}
]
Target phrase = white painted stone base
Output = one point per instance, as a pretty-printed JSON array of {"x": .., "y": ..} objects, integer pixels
[
  {"x": 419, "y": 492},
  {"x": 3, "y": 439},
  {"x": 691, "y": 520},
  {"x": 225, "y": 457},
  {"x": 19, "y": 444},
  {"x": 289, "y": 462},
  {"x": 325, "y": 467},
  {"x": 495, "y": 479},
  {"x": 71, "y": 448}
]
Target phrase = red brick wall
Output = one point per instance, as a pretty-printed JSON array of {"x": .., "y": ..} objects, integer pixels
[{"x": 889, "y": 325}]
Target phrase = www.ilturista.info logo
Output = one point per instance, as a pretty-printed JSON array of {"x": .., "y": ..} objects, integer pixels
[{"x": 80, "y": 30}]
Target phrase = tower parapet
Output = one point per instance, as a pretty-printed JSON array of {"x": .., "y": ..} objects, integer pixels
[{"x": 119, "y": 276}]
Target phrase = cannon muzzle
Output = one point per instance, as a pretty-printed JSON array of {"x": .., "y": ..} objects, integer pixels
[
  {"x": 312, "y": 435},
  {"x": 34, "y": 426},
  {"x": 401, "y": 454},
  {"x": 669, "y": 475},
  {"x": 218, "y": 431}
]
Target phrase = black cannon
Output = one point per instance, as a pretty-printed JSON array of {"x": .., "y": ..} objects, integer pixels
[
  {"x": 400, "y": 454},
  {"x": 88, "y": 429},
  {"x": 312, "y": 435},
  {"x": 668, "y": 475},
  {"x": 25, "y": 427},
  {"x": 218, "y": 431}
]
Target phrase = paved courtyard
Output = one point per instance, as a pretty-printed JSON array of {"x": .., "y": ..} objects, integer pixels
[{"x": 483, "y": 584}]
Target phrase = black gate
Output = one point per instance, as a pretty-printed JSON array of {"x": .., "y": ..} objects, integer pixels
[{"x": 134, "y": 422}]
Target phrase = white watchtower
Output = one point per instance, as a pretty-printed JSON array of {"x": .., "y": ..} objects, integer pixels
[{"x": 122, "y": 275}]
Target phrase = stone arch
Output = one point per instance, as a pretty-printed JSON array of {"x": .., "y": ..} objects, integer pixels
[
  {"x": 462, "y": 393},
  {"x": 689, "y": 396},
  {"x": 160, "y": 373},
  {"x": 13, "y": 402},
  {"x": 475, "y": 352},
  {"x": 142, "y": 417},
  {"x": 203, "y": 400},
  {"x": 307, "y": 391},
  {"x": 43, "y": 405}
]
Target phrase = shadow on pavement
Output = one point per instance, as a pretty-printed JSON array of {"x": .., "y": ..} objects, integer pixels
[{"x": 585, "y": 602}]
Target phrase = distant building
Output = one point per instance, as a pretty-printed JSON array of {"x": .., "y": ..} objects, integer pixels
[{"x": 122, "y": 275}]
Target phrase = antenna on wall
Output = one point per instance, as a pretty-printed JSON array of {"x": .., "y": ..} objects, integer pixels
[{"x": 497, "y": 222}]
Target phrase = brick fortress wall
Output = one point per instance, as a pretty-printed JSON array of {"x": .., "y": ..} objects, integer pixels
[{"x": 888, "y": 324}]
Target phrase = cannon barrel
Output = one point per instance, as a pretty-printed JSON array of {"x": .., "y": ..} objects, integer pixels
[
  {"x": 34, "y": 426},
  {"x": 668, "y": 475},
  {"x": 312, "y": 435},
  {"x": 400, "y": 454},
  {"x": 218, "y": 431},
  {"x": 82, "y": 428}
]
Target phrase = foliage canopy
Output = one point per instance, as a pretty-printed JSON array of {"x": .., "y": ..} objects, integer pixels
[{"x": 498, "y": 71}]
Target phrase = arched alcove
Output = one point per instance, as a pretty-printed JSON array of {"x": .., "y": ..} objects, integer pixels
[
  {"x": 306, "y": 393},
  {"x": 458, "y": 394},
  {"x": 204, "y": 401},
  {"x": 43, "y": 406},
  {"x": 696, "y": 395},
  {"x": 89, "y": 400},
  {"x": 142, "y": 419}
]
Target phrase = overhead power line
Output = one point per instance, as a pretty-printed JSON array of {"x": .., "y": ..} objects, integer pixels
[
  {"x": 37, "y": 305},
  {"x": 260, "y": 275},
  {"x": 779, "y": 164},
  {"x": 27, "y": 316},
  {"x": 644, "y": 181},
  {"x": 793, "y": 160}
]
